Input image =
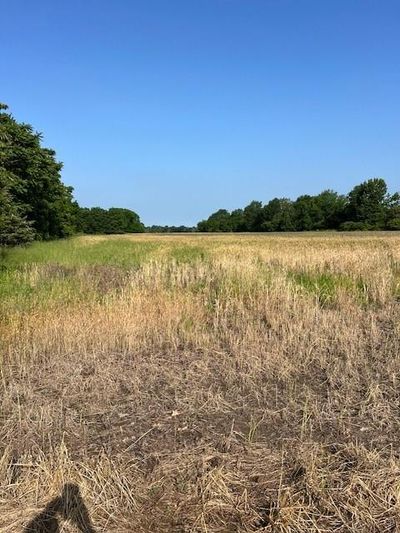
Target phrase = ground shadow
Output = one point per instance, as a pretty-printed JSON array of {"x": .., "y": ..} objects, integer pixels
[{"x": 68, "y": 506}]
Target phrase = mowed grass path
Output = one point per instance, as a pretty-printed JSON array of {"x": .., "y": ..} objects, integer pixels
[{"x": 203, "y": 383}]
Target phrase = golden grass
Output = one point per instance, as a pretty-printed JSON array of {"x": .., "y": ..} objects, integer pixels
[{"x": 223, "y": 383}]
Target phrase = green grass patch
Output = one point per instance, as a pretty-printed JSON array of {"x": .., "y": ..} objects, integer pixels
[
  {"x": 20, "y": 291},
  {"x": 325, "y": 285},
  {"x": 79, "y": 252},
  {"x": 188, "y": 254},
  {"x": 66, "y": 271}
]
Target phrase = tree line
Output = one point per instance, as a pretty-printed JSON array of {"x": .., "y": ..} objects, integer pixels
[
  {"x": 367, "y": 206},
  {"x": 34, "y": 202},
  {"x": 170, "y": 229},
  {"x": 114, "y": 220}
]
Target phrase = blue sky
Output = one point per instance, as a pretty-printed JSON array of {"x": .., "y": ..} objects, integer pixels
[{"x": 175, "y": 108}]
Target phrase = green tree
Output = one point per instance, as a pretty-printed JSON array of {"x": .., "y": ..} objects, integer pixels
[
  {"x": 14, "y": 228},
  {"x": 237, "y": 220},
  {"x": 278, "y": 215},
  {"x": 368, "y": 203},
  {"x": 331, "y": 208},
  {"x": 308, "y": 214},
  {"x": 123, "y": 221},
  {"x": 35, "y": 185},
  {"x": 367, "y": 206},
  {"x": 252, "y": 216},
  {"x": 170, "y": 229},
  {"x": 218, "y": 221},
  {"x": 393, "y": 212},
  {"x": 96, "y": 220}
]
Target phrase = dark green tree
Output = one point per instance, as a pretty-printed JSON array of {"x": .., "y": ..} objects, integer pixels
[
  {"x": 170, "y": 229},
  {"x": 35, "y": 185},
  {"x": 393, "y": 212},
  {"x": 307, "y": 213},
  {"x": 278, "y": 215},
  {"x": 14, "y": 228},
  {"x": 123, "y": 221},
  {"x": 96, "y": 220},
  {"x": 237, "y": 220},
  {"x": 368, "y": 204},
  {"x": 331, "y": 207},
  {"x": 218, "y": 221},
  {"x": 252, "y": 216}
]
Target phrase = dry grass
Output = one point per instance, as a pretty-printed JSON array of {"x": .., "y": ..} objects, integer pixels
[{"x": 212, "y": 384}]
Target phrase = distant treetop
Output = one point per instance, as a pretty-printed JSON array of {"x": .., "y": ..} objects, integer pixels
[{"x": 368, "y": 206}]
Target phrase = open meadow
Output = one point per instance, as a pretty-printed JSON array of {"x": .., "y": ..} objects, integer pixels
[{"x": 201, "y": 383}]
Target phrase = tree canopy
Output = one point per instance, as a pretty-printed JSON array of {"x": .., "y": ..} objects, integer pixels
[
  {"x": 114, "y": 220},
  {"x": 14, "y": 227},
  {"x": 34, "y": 202},
  {"x": 170, "y": 229},
  {"x": 32, "y": 178},
  {"x": 367, "y": 206}
]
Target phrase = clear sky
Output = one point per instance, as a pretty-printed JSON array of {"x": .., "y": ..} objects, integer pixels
[{"x": 175, "y": 108}]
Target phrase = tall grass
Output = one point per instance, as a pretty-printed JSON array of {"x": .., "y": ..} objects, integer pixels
[{"x": 203, "y": 383}]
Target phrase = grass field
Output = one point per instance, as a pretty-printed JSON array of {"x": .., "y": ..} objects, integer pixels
[{"x": 201, "y": 383}]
